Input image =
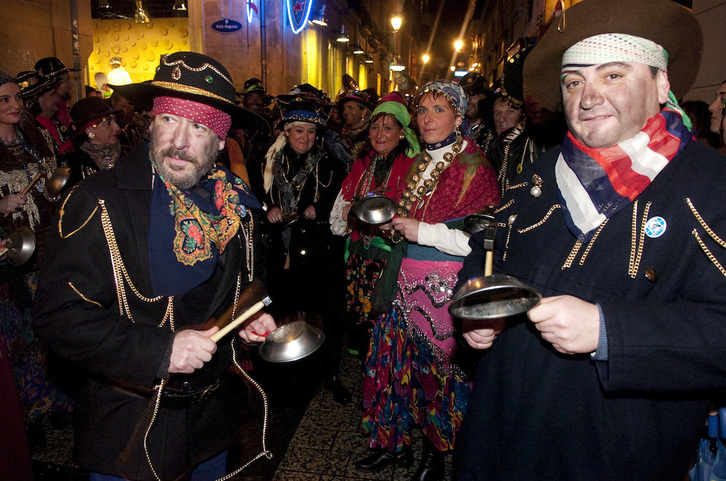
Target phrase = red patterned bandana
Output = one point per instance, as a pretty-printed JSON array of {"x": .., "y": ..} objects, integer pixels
[{"x": 215, "y": 119}]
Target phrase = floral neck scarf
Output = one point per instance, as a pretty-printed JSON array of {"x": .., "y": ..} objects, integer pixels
[
  {"x": 595, "y": 184},
  {"x": 197, "y": 224}
]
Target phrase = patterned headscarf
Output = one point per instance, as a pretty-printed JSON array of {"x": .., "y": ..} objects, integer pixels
[{"x": 452, "y": 90}]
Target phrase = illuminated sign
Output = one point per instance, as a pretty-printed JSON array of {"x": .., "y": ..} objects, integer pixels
[
  {"x": 251, "y": 8},
  {"x": 298, "y": 12}
]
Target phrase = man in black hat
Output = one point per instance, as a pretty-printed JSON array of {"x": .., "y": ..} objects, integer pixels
[
  {"x": 143, "y": 255},
  {"x": 611, "y": 376},
  {"x": 60, "y": 125},
  {"x": 477, "y": 91}
]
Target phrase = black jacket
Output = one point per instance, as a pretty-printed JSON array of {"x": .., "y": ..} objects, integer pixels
[
  {"x": 537, "y": 414},
  {"x": 79, "y": 316}
]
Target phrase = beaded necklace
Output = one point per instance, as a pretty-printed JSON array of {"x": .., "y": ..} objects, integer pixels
[
  {"x": 364, "y": 183},
  {"x": 418, "y": 194}
]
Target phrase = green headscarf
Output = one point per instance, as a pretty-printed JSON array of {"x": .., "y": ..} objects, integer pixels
[{"x": 399, "y": 111}]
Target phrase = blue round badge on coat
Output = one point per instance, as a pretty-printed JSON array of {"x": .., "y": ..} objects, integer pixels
[{"x": 655, "y": 227}]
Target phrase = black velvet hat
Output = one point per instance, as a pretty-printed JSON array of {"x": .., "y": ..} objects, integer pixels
[
  {"x": 52, "y": 67},
  {"x": 88, "y": 110},
  {"x": 197, "y": 77},
  {"x": 367, "y": 97},
  {"x": 32, "y": 85},
  {"x": 474, "y": 83}
]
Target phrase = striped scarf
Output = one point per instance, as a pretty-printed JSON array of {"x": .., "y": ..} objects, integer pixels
[{"x": 595, "y": 184}]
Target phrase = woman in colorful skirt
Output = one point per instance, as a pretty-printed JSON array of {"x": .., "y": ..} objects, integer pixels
[
  {"x": 388, "y": 156},
  {"x": 412, "y": 378}
]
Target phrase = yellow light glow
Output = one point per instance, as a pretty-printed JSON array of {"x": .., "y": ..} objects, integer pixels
[
  {"x": 458, "y": 45},
  {"x": 396, "y": 23},
  {"x": 426, "y": 58}
]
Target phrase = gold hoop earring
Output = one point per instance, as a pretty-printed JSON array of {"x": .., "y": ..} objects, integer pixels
[{"x": 401, "y": 137}]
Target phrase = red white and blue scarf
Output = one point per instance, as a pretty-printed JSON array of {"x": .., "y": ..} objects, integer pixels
[{"x": 595, "y": 184}]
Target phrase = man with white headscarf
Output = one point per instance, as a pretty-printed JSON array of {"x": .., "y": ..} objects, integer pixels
[{"x": 620, "y": 230}]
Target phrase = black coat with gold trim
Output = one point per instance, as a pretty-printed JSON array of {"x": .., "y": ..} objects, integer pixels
[
  {"x": 538, "y": 414},
  {"x": 80, "y": 316}
]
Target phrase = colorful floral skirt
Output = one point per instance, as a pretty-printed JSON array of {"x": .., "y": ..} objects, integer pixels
[
  {"x": 407, "y": 385},
  {"x": 38, "y": 394},
  {"x": 361, "y": 274}
]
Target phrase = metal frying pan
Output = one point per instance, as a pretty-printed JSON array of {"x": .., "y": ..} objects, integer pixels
[
  {"x": 374, "y": 208},
  {"x": 58, "y": 181},
  {"x": 492, "y": 296},
  {"x": 20, "y": 246}
]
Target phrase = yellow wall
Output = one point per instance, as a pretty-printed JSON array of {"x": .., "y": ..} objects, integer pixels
[{"x": 139, "y": 45}]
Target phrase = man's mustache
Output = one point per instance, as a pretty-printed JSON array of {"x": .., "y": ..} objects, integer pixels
[{"x": 179, "y": 154}]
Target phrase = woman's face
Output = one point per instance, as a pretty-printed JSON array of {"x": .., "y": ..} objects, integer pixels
[
  {"x": 105, "y": 131},
  {"x": 385, "y": 134},
  {"x": 11, "y": 103},
  {"x": 301, "y": 137},
  {"x": 436, "y": 118}
]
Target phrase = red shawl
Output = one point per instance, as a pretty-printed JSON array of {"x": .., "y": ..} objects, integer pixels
[
  {"x": 467, "y": 185},
  {"x": 354, "y": 181}
]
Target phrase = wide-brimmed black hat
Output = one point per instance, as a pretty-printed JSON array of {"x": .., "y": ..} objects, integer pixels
[
  {"x": 88, "y": 110},
  {"x": 367, "y": 97},
  {"x": 664, "y": 22},
  {"x": 197, "y": 77},
  {"x": 253, "y": 85},
  {"x": 512, "y": 80},
  {"x": 474, "y": 83},
  {"x": 52, "y": 67},
  {"x": 32, "y": 85},
  {"x": 300, "y": 110}
]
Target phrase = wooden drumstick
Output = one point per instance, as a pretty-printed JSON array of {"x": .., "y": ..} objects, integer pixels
[
  {"x": 27, "y": 189},
  {"x": 32, "y": 183},
  {"x": 489, "y": 263},
  {"x": 242, "y": 318}
]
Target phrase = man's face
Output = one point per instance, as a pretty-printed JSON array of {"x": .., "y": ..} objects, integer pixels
[
  {"x": 716, "y": 108},
  {"x": 64, "y": 86},
  {"x": 472, "y": 110},
  {"x": 126, "y": 108},
  {"x": 608, "y": 103},
  {"x": 506, "y": 115},
  {"x": 184, "y": 150},
  {"x": 254, "y": 102},
  {"x": 353, "y": 115},
  {"x": 48, "y": 104}
]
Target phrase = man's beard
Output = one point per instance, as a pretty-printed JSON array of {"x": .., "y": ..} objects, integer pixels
[{"x": 179, "y": 178}]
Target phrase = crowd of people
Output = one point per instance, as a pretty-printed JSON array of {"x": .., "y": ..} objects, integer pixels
[{"x": 153, "y": 212}]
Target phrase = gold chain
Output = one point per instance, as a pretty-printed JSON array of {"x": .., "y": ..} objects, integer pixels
[
  {"x": 637, "y": 240},
  {"x": 592, "y": 242},
  {"x": 547, "y": 216},
  {"x": 571, "y": 256},
  {"x": 708, "y": 253},
  {"x": 120, "y": 274},
  {"x": 708, "y": 230}
]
